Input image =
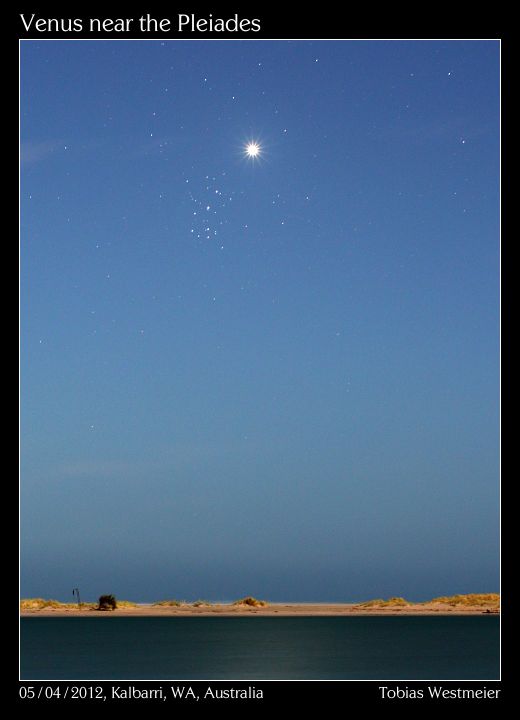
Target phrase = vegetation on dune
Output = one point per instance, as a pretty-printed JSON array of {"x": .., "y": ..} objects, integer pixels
[
  {"x": 41, "y": 604},
  {"x": 391, "y": 602},
  {"x": 489, "y": 599},
  {"x": 201, "y": 603},
  {"x": 250, "y": 602},
  {"x": 471, "y": 599},
  {"x": 169, "y": 603}
]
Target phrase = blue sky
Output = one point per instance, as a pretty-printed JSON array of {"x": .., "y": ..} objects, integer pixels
[{"x": 278, "y": 376}]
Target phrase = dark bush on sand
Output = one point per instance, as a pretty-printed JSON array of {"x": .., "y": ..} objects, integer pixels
[{"x": 107, "y": 602}]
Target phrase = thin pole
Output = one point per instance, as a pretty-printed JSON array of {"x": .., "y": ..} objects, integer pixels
[{"x": 76, "y": 591}]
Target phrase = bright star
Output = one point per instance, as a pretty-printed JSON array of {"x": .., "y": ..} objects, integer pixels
[{"x": 252, "y": 149}]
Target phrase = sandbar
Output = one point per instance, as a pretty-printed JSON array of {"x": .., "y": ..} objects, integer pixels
[{"x": 270, "y": 610}]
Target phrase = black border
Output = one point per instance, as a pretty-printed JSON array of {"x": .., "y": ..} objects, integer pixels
[{"x": 387, "y": 22}]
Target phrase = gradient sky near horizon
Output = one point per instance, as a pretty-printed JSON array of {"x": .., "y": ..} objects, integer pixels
[{"x": 274, "y": 376}]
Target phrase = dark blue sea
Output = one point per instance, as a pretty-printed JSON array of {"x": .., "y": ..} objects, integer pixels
[{"x": 260, "y": 648}]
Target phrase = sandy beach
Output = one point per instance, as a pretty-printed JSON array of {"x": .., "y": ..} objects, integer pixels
[{"x": 280, "y": 609}]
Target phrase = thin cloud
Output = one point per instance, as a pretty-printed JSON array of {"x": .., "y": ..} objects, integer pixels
[
  {"x": 434, "y": 130},
  {"x": 34, "y": 152}
]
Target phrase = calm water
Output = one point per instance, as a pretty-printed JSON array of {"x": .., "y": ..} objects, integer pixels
[{"x": 259, "y": 648}]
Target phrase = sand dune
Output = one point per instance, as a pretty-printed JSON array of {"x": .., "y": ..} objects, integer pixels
[{"x": 455, "y": 605}]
